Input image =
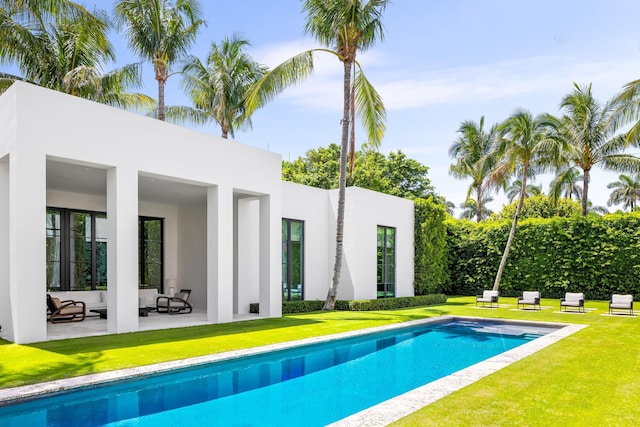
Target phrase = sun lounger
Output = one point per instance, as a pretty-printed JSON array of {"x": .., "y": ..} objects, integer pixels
[
  {"x": 490, "y": 297},
  {"x": 573, "y": 300},
  {"x": 621, "y": 302}
]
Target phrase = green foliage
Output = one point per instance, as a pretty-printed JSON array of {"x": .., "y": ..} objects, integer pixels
[
  {"x": 395, "y": 174},
  {"x": 595, "y": 255},
  {"x": 290, "y": 307},
  {"x": 430, "y": 261},
  {"x": 390, "y": 303},
  {"x": 540, "y": 206}
]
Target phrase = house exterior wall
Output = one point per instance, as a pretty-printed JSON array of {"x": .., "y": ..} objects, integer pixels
[
  {"x": 225, "y": 246},
  {"x": 66, "y": 129},
  {"x": 365, "y": 210}
]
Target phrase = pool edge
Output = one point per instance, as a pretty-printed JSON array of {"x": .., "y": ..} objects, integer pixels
[{"x": 405, "y": 404}]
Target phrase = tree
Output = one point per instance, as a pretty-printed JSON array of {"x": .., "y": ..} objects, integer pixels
[
  {"x": 540, "y": 206},
  {"x": 395, "y": 174},
  {"x": 527, "y": 147},
  {"x": 160, "y": 31},
  {"x": 217, "y": 88},
  {"x": 61, "y": 46},
  {"x": 626, "y": 190},
  {"x": 470, "y": 209},
  {"x": 344, "y": 27},
  {"x": 588, "y": 129},
  {"x": 515, "y": 188},
  {"x": 474, "y": 159},
  {"x": 566, "y": 184}
]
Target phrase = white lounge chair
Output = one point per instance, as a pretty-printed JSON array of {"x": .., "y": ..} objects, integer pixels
[
  {"x": 488, "y": 297},
  {"x": 530, "y": 298},
  {"x": 621, "y": 302},
  {"x": 572, "y": 299}
]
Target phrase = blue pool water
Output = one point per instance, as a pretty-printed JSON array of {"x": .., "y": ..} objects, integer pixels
[{"x": 311, "y": 385}]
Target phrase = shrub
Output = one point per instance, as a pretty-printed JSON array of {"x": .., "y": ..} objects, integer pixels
[
  {"x": 595, "y": 255},
  {"x": 430, "y": 237},
  {"x": 289, "y": 307}
]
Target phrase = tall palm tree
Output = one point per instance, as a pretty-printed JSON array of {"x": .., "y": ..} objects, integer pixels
[
  {"x": 344, "y": 27},
  {"x": 566, "y": 184},
  {"x": 474, "y": 159},
  {"x": 515, "y": 189},
  {"x": 588, "y": 128},
  {"x": 527, "y": 148},
  {"x": 626, "y": 190},
  {"x": 218, "y": 87},
  {"x": 64, "y": 47},
  {"x": 160, "y": 31},
  {"x": 470, "y": 209}
]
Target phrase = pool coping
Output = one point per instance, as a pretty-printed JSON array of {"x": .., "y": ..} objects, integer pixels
[
  {"x": 405, "y": 404},
  {"x": 378, "y": 415}
]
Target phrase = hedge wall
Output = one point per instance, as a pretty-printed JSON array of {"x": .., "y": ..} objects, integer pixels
[
  {"x": 595, "y": 255},
  {"x": 430, "y": 237},
  {"x": 289, "y": 307}
]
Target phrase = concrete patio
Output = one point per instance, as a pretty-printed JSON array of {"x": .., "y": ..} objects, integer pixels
[{"x": 94, "y": 326}]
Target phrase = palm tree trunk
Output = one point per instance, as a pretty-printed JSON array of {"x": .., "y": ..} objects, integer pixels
[
  {"x": 330, "y": 302},
  {"x": 479, "y": 202},
  {"x": 585, "y": 191},
  {"x": 160, "y": 100},
  {"x": 512, "y": 233}
]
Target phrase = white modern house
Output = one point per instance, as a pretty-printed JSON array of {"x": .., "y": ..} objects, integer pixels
[{"x": 99, "y": 204}]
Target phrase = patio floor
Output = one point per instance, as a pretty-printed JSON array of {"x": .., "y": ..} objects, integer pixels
[{"x": 93, "y": 326}]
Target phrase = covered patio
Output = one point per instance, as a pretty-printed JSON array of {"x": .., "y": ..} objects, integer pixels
[{"x": 93, "y": 325}]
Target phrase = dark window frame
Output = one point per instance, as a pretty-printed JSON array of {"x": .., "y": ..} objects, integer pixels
[
  {"x": 141, "y": 250},
  {"x": 383, "y": 267},
  {"x": 65, "y": 245},
  {"x": 289, "y": 252}
]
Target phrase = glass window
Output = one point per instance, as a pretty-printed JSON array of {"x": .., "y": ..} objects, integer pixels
[
  {"x": 386, "y": 262},
  {"x": 76, "y": 250},
  {"x": 150, "y": 232},
  {"x": 292, "y": 260}
]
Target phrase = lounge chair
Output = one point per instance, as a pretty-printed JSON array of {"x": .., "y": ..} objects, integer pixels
[
  {"x": 572, "y": 299},
  {"x": 176, "y": 304},
  {"x": 65, "y": 311},
  {"x": 530, "y": 298},
  {"x": 621, "y": 302},
  {"x": 488, "y": 297}
]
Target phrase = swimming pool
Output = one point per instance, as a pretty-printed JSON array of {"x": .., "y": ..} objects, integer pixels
[{"x": 304, "y": 386}]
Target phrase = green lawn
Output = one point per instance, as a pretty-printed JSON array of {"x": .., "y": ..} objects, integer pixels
[{"x": 591, "y": 377}]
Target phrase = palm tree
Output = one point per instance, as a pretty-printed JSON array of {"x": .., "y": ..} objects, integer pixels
[
  {"x": 474, "y": 159},
  {"x": 514, "y": 190},
  {"x": 526, "y": 147},
  {"x": 345, "y": 27},
  {"x": 470, "y": 209},
  {"x": 626, "y": 190},
  {"x": 588, "y": 129},
  {"x": 65, "y": 48},
  {"x": 566, "y": 184},
  {"x": 218, "y": 87},
  {"x": 160, "y": 31}
]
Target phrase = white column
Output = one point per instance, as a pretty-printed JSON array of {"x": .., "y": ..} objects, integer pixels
[
  {"x": 5, "y": 300},
  {"x": 122, "y": 250},
  {"x": 220, "y": 254},
  {"x": 270, "y": 257},
  {"x": 27, "y": 246}
]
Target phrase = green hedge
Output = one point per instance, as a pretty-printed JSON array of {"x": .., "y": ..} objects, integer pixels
[
  {"x": 289, "y": 307},
  {"x": 595, "y": 255},
  {"x": 430, "y": 238}
]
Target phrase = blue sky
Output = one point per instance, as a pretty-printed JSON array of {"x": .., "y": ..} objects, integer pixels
[{"x": 441, "y": 62}]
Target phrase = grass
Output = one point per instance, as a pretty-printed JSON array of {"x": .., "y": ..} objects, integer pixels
[{"x": 589, "y": 377}]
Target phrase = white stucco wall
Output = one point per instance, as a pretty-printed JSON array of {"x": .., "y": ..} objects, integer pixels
[
  {"x": 126, "y": 146},
  {"x": 311, "y": 205},
  {"x": 365, "y": 211}
]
